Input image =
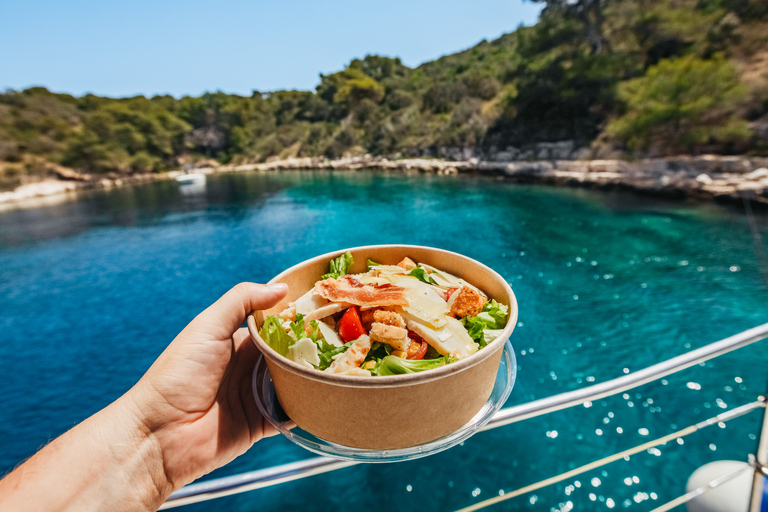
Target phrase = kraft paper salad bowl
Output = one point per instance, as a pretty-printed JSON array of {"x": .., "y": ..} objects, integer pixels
[{"x": 395, "y": 411}]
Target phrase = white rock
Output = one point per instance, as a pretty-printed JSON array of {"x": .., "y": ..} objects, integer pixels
[
  {"x": 757, "y": 174},
  {"x": 750, "y": 185},
  {"x": 704, "y": 178}
]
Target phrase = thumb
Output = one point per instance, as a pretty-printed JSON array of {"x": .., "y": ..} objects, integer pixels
[{"x": 226, "y": 315}]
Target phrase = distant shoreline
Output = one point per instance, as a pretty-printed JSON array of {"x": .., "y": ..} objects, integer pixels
[{"x": 708, "y": 178}]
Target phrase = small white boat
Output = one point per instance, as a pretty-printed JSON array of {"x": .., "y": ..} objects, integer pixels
[{"x": 192, "y": 178}]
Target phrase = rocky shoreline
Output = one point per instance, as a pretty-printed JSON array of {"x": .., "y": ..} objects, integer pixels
[
  {"x": 706, "y": 177},
  {"x": 63, "y": 188}
]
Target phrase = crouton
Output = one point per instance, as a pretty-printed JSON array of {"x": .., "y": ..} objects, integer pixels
[
  {"x": 468, "y": 302},
  {"x": 388, "y": 318}
]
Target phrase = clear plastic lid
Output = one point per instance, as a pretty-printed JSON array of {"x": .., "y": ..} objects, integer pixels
[{"x": 266, "y": 400}]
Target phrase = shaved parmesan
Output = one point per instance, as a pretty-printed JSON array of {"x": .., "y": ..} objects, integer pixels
[
  {"x": 424, "y": 302},
  {"x": 452, "y": 339},
  {"x": 389, "y": 269},
  {"x": 327, "y": 310},
  {"x": 374, "y": 280},
  {"x": 304, "y": 352},
  {"x": 460, "y": 334},
  {"x": 391, "y": 273},
  {"x": 309, "y": 302},
  {"x": 443, "y": 278},
  {"x": 329, "y": 334},
  {"x": 440, "y": 280}
]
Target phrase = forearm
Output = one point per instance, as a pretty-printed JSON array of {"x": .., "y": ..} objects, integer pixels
[
  {"x": 107, "y": 462},
  {"x": 193, "y": 411}
]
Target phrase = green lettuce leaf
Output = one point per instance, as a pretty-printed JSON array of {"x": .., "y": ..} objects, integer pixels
[
  {"x": 372, "y": 264},
  {"x": 326, "y": 358},
  {"x": 491, "y": 334},
  {"x": 274, "y": 335},
  {"x": 393, "y": 365},
  {"x": 298, "y": 327},
  {"x": 322, "y": 345},
  {"x": 378, "y": 352},
  {"x": 432, "y": 353},
  {"x": 421, "y": 274},
  {"x": 315, "y": 334},
  {"x": 340, "y": 266},
  {"x": 494, "y": 315},
  {"x": 474, "y": 327}
]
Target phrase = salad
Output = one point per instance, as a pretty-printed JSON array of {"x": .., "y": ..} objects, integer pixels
[{"x": 390, "y": 320}]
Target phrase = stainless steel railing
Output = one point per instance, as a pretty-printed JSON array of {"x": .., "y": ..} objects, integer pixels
[
  {"x": 226, "y": 486},
  {"x": 629, "y": 381}
]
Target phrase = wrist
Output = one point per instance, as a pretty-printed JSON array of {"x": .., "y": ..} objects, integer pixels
[
  {"x": 143, "y": 457},
  {"x": 107, "y": 462}
]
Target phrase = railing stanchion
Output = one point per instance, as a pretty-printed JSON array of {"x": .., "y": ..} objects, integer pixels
[{"x": 755, "y": 503}]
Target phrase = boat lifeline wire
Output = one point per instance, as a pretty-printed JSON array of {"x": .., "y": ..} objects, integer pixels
[{"x": 720, "y": 418}]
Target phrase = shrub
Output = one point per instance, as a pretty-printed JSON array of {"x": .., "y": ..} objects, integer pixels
[
  {"x": 399, "y": 99},
  {"x": 441, "y": 97},
  {"x": 682, "y": 105},
  {"x": 143, "y": 162}
]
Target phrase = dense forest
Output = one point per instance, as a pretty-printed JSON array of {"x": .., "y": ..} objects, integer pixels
[{"x": 600, "y": 78}]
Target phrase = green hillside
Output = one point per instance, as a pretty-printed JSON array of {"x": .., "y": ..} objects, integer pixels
[{"x": 598, "y": 77}]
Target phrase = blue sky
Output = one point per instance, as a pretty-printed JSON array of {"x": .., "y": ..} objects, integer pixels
[{"x": 142, "y": 47}]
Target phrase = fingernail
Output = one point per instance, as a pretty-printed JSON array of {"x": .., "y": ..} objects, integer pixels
[{"x": 278, "y": 287}]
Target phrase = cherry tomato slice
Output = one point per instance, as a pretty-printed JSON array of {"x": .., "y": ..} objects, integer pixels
[
  {"x": 350, "y": 326},
  {"x": 417, "y": 348}
]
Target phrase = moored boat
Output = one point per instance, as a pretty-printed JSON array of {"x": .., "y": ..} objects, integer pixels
[{"x": 191, "y": 178}]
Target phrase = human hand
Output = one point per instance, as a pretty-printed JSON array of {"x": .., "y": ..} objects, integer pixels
[
  {"x": 196, "y": 400},
  {"x": 192, "y": 412}
]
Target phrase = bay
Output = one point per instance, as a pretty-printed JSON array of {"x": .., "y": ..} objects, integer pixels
[{"x": 92, "y": 290}]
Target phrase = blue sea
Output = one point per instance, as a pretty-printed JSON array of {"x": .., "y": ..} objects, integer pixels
[{"x": 92, "y": 290}]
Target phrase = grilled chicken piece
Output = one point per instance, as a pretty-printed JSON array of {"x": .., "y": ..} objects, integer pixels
[
  {"x": 353, "y": 357},
  {"x": 356, "y": 372},
  {"x": 397, "y": 337},
  {"x": 289, "y": 313},
  {"x": 467, "y": 303},
  {"x": 349, "y": 289}
]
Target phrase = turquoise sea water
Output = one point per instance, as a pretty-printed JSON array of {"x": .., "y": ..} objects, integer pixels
[{"x": 91, "y": 291}]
